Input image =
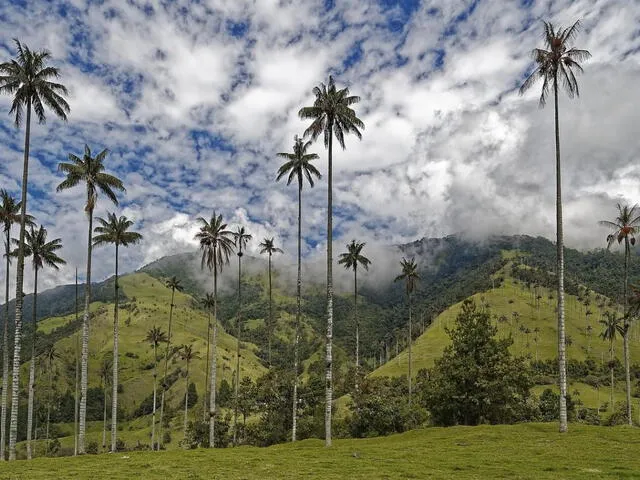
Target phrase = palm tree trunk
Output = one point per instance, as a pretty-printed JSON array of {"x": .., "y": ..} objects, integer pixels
[
  {"x": 206, "y": 370},
  {"x": 32, "y": 367},
  {"x": 17, "y": 342},
  {"x": 49, "y": 406},
  {"x": 166, "y": 364},
  {"x": 562, "y": 364},
  {"x": 214, "y": 372},
  {"x": 355, "y": 307},
  {"x": 114, "y": 386},
  {"x": 625, "y": 336},
  {"x": 296, "y": 334},
  {"x": 5, "y": 355},
  {"x": 104, "y": 416},
  {"x": 329, "y": 354},
  {"x": 270, "y": 332},
  {"x": 85, "y": 343},
  {"x": 155, "y": 390},
  {"x": 410, "y": 342},
  {"x": 186, "y": 400},
  {"x": 76, "y": 396},
  {"x": 611, "y": 403},
  {"x": 235, "y": 403}
]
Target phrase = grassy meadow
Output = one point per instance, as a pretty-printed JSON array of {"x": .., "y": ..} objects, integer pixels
[{"x": 525, "y": 451}]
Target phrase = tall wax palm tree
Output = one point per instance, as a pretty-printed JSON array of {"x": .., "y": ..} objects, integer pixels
[
  {"x": 28, "y": 79},
  {"x": 174, "y": 284},
  {"x": 89, "y": 171},
  {"x": 115, "y": 231},
  {"x": 241, "y": 238},
  {"x": 42, "y": 254},
  {"x": 77, "y": 383},
  {"x": 298, "y": 166},
  {"x": 207, "y": 303},
  {"x": 611, "y": 327},
  {"x": 331, "y": 115},
  {"x": 351, "y": 259},
  {"x": 155, "y": 337},
  {"x": 187, "y": 354},
  {"x": 106, "y": 369},
  {"x": 410, "y": 276},
  {"x": 625, "y": 226},
  {"x": 9, "y": 215},
  {"x": 216, "y": 244},
  {"x": 267, "y": 246},
  {"x": 558, "y": 63},
  {"x": 50, "y": 356}
]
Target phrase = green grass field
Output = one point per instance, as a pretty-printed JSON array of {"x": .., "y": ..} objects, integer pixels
[{"x": 526, "y": 451}]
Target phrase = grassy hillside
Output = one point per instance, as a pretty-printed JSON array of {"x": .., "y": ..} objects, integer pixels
[
  {"x": 526, "y": 451},
  {"x": 515, "y": 309}
]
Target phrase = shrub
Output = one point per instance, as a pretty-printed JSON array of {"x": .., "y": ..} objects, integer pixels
[{"x": 92, "y": 448}]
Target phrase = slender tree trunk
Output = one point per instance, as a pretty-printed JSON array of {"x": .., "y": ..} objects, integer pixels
[
  {"x": 626, "y": 326},
  {"x": 270, "y": 332},
  {"x": 562, "y": 364},
  {"x": 235, "y": 403},
  {"x": 410, "y": 342},
  {"x": 15, "y": 382},
  {"x": 5, "y": 355},
  {"x": 296, "y": 334},
  {"x": 76, "y": 396},
  {"x": 104, "y": 416},
  {"x": 186, "y": 400},
  {"x": 611, "y": 403},
  {"x": 206, "y": 370},
  {"x": 84, "y": 365},
  {"x": 355, "y": 307},
  {"x": 49, "y": 406},
  {"x": 32, "y": 366},
  {"x": 214, "y": 372},
  {"x": 155, "y": 390},
  {"x": 329, "y": 355},
  {"x": 166, "y": 365},
  {"x": 114, "y": 386}
]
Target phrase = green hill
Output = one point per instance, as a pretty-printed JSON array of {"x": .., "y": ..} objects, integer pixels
[{"x": 531, "y": 321}]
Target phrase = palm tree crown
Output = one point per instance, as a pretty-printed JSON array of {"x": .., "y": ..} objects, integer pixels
[
  {"x": 155, "y": 337},
  {"x": 174, "y": 283},
  {"x": 409, "y": 274},
  {"x": 42, "y": 252},
  {"x": 625, "y": 226},
  {"x": 611, "y": 327},
  {"x": 28, "y": 79},
  {"x": 268, "y": 246},
  {"x": 241, "y": 238},
  {"x": 557, "y": 59},
  {"x": 10, "y": 210},
  {"x": 298, "y": 164},
  {"x": 90, "y": 170},
  {"x": 352, "y": 257},
  {"x": 115, "y": 230},
  {"x": 215, "y": 242},
  {"x": 331, "y": 113}
]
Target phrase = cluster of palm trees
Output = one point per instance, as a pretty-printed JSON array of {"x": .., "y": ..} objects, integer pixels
[{"x": 32, "y": 83}]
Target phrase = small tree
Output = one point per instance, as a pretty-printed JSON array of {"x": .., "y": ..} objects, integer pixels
[{"x": 477, "y": 380}]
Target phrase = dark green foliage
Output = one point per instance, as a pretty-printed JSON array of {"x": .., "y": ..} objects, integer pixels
[
  {"x": 477, "y": 380},
  {"x": 381, "y": 408},
  {"x": 92, "y": 448},
  {"x": 224, "y": 394},
  {"x": 193, "y": 395},
  {"x": 549, "y": 406}
]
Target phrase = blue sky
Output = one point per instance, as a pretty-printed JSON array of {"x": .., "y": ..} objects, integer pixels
[{"x": 194, "y": 99}]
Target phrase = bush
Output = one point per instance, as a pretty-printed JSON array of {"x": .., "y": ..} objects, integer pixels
[
  {"x": 92, "y": 448},
  {"x": 166, "y": 437},
  {"x": 120, "y": 445}
]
